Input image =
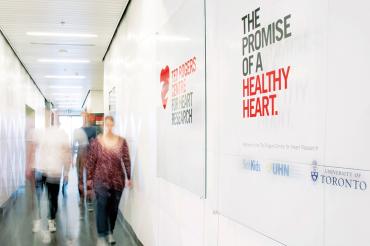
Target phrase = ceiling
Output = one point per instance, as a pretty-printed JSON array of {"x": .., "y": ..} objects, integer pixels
[{"x": 62, "y": 43}]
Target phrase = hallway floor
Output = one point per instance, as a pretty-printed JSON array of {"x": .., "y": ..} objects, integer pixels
[{"x": 75, "y": 224}]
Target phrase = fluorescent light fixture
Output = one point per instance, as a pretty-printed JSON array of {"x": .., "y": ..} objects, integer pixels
[
  {"x": 64, "y": 77},
  {"x": 66, "y": 94},
  {"x": 69, "y": 102},
  {"x": 71, "y": 106},
  {"x": 62, "y": 34},
  {"x": 65, "y": 98},
  {"x": 65, "y": 86},
  {"x": 64, "y": 60}
]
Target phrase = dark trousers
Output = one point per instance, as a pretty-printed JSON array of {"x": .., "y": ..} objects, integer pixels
[
  {"x": 53, "y": 192},
  {"x": 52, "y": 186},
  {"x": 107, "y": 202}
]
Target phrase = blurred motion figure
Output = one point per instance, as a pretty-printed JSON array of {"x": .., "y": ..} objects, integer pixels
[
  {"x": 50, "y": 157},
  {"x": 108, "y": 166},
  {"x": 83, "y": 137}
]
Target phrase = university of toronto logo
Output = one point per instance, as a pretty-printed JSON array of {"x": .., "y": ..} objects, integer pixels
[
  {"x": 314, "y": 172},
  {"x": 165, "y": 81}
]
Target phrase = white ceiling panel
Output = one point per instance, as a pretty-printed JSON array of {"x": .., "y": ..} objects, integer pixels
[{"x": 98, "y": 18}]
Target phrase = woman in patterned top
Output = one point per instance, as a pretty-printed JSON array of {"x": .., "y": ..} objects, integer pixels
[{"x": 107, "y": 164}]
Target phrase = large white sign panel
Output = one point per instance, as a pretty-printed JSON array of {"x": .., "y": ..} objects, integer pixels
[
  {"x": 181, "y": 98},
  {"x": 284, "y": 172}
]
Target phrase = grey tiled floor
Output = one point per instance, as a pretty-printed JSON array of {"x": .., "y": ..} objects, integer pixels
[{"x": 75, "y": 225}]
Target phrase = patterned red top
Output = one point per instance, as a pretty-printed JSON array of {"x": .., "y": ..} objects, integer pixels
[{"x": 105, "y": 165}]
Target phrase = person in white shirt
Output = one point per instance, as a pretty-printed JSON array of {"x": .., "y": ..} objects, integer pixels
[{"x": 52, "y": 159}]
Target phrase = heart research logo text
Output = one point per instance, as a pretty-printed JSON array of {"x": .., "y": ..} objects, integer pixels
[{"x": 165, "y": 82}]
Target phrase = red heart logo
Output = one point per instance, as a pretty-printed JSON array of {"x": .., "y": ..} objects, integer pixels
[{"x": 165, "y": 81}]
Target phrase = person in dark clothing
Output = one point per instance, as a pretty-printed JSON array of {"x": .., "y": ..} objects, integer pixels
[{"x": 83, "y": 137}]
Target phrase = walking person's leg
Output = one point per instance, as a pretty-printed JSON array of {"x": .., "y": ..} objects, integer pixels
[
  {"x": 53, "y": 192},
  {"x": 37, "y": 187},
  {"x": 65, "y": 182},
  {"x": 81, "y": 171},
  {"x": 102, "y": 226},
  {"x": 80, "y": 174},
  {"x": 40, "y": 184},
  {"x": 89, "y": 193},
  {"x": 113, "y": 206}
]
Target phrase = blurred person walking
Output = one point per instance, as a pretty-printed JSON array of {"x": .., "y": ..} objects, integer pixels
[
  {"x": 107, "y": 164},
  {"x": 53, "y": 158},
  {"x": 33, "y": 177},
  {"x": 83, "y": 138}
]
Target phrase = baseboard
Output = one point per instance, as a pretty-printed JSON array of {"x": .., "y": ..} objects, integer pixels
[
  {"x": 121, "y": 219},
  {"x": 7, "y": 205}
]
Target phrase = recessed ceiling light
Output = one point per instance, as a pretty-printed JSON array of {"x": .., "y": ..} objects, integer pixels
[
  {"x": 69, "y": 106},
  {"x": 64, "y": 77},
  {"x": 66, "y": 102},
  {"x": 65, "y": 87},
  {"x": 65, "y": 94},
  {"x": 66, "y": 99},
  {"x": 62, "y": 34},
  {"x": 64, "y": 60}
]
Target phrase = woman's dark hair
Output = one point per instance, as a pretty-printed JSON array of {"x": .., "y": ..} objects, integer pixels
[{"x": 109, "y": 117}]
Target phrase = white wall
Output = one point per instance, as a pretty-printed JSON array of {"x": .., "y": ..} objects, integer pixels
[
  {"x": 325, "y": 106},
  {"x": 95, "y": 102},
  {"x": 16, "y": 90},
  {"x": 160, "y": 212}
]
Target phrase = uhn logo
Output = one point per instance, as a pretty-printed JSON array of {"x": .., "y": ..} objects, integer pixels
[{"x": 280, "y": 169}]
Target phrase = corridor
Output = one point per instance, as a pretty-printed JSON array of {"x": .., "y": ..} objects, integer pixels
[
  {"x": 184, "y": 123},
  {"x": 75, "y": 223}
]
